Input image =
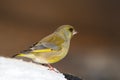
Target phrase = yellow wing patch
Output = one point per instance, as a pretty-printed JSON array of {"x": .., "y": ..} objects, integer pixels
[{"x": 42, "y": 50}]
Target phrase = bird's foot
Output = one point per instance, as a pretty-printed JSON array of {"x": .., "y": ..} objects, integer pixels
[{"x": 52, "y": 68}]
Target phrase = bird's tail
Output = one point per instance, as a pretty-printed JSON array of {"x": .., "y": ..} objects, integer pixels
[{"x": 17, "y": 55}]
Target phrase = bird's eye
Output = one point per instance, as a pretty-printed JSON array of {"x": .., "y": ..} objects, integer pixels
[{"x": 71, "y": 29}]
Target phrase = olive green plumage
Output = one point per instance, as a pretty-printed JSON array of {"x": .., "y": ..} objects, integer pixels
[{"x": 52, "y": 48}]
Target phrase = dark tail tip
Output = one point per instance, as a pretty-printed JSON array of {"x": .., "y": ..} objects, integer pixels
[{"x": 14, "y": 56}]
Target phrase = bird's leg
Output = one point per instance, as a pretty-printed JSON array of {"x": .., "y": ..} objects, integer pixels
[{"x": 50, "y": 67}]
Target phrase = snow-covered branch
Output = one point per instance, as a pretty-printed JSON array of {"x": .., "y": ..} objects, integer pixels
[{"x": 13, "y": 69}]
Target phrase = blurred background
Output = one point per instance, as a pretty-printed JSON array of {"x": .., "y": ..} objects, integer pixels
[{"x": 94, "y": 52}]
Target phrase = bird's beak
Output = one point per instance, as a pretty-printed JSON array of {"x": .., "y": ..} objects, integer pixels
[{"x": 74, "y": 32}]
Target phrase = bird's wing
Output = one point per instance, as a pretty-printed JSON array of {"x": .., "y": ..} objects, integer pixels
[
  {"x": 50, "y": 43},
  {"x": 45, "y": 47},
  {"x": 47, "y": 44}
]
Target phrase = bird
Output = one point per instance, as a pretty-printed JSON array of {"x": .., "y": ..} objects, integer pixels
[{"x": 51, "y": 48}]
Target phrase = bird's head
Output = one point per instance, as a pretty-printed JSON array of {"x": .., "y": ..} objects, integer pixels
[{"x": 66, "y": 31}]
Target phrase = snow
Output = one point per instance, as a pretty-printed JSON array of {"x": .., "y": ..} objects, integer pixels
[{"x": 14, "y": 69}]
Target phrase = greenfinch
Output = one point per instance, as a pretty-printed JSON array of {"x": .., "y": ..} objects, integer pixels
[{"x": 52, "y": 48}]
